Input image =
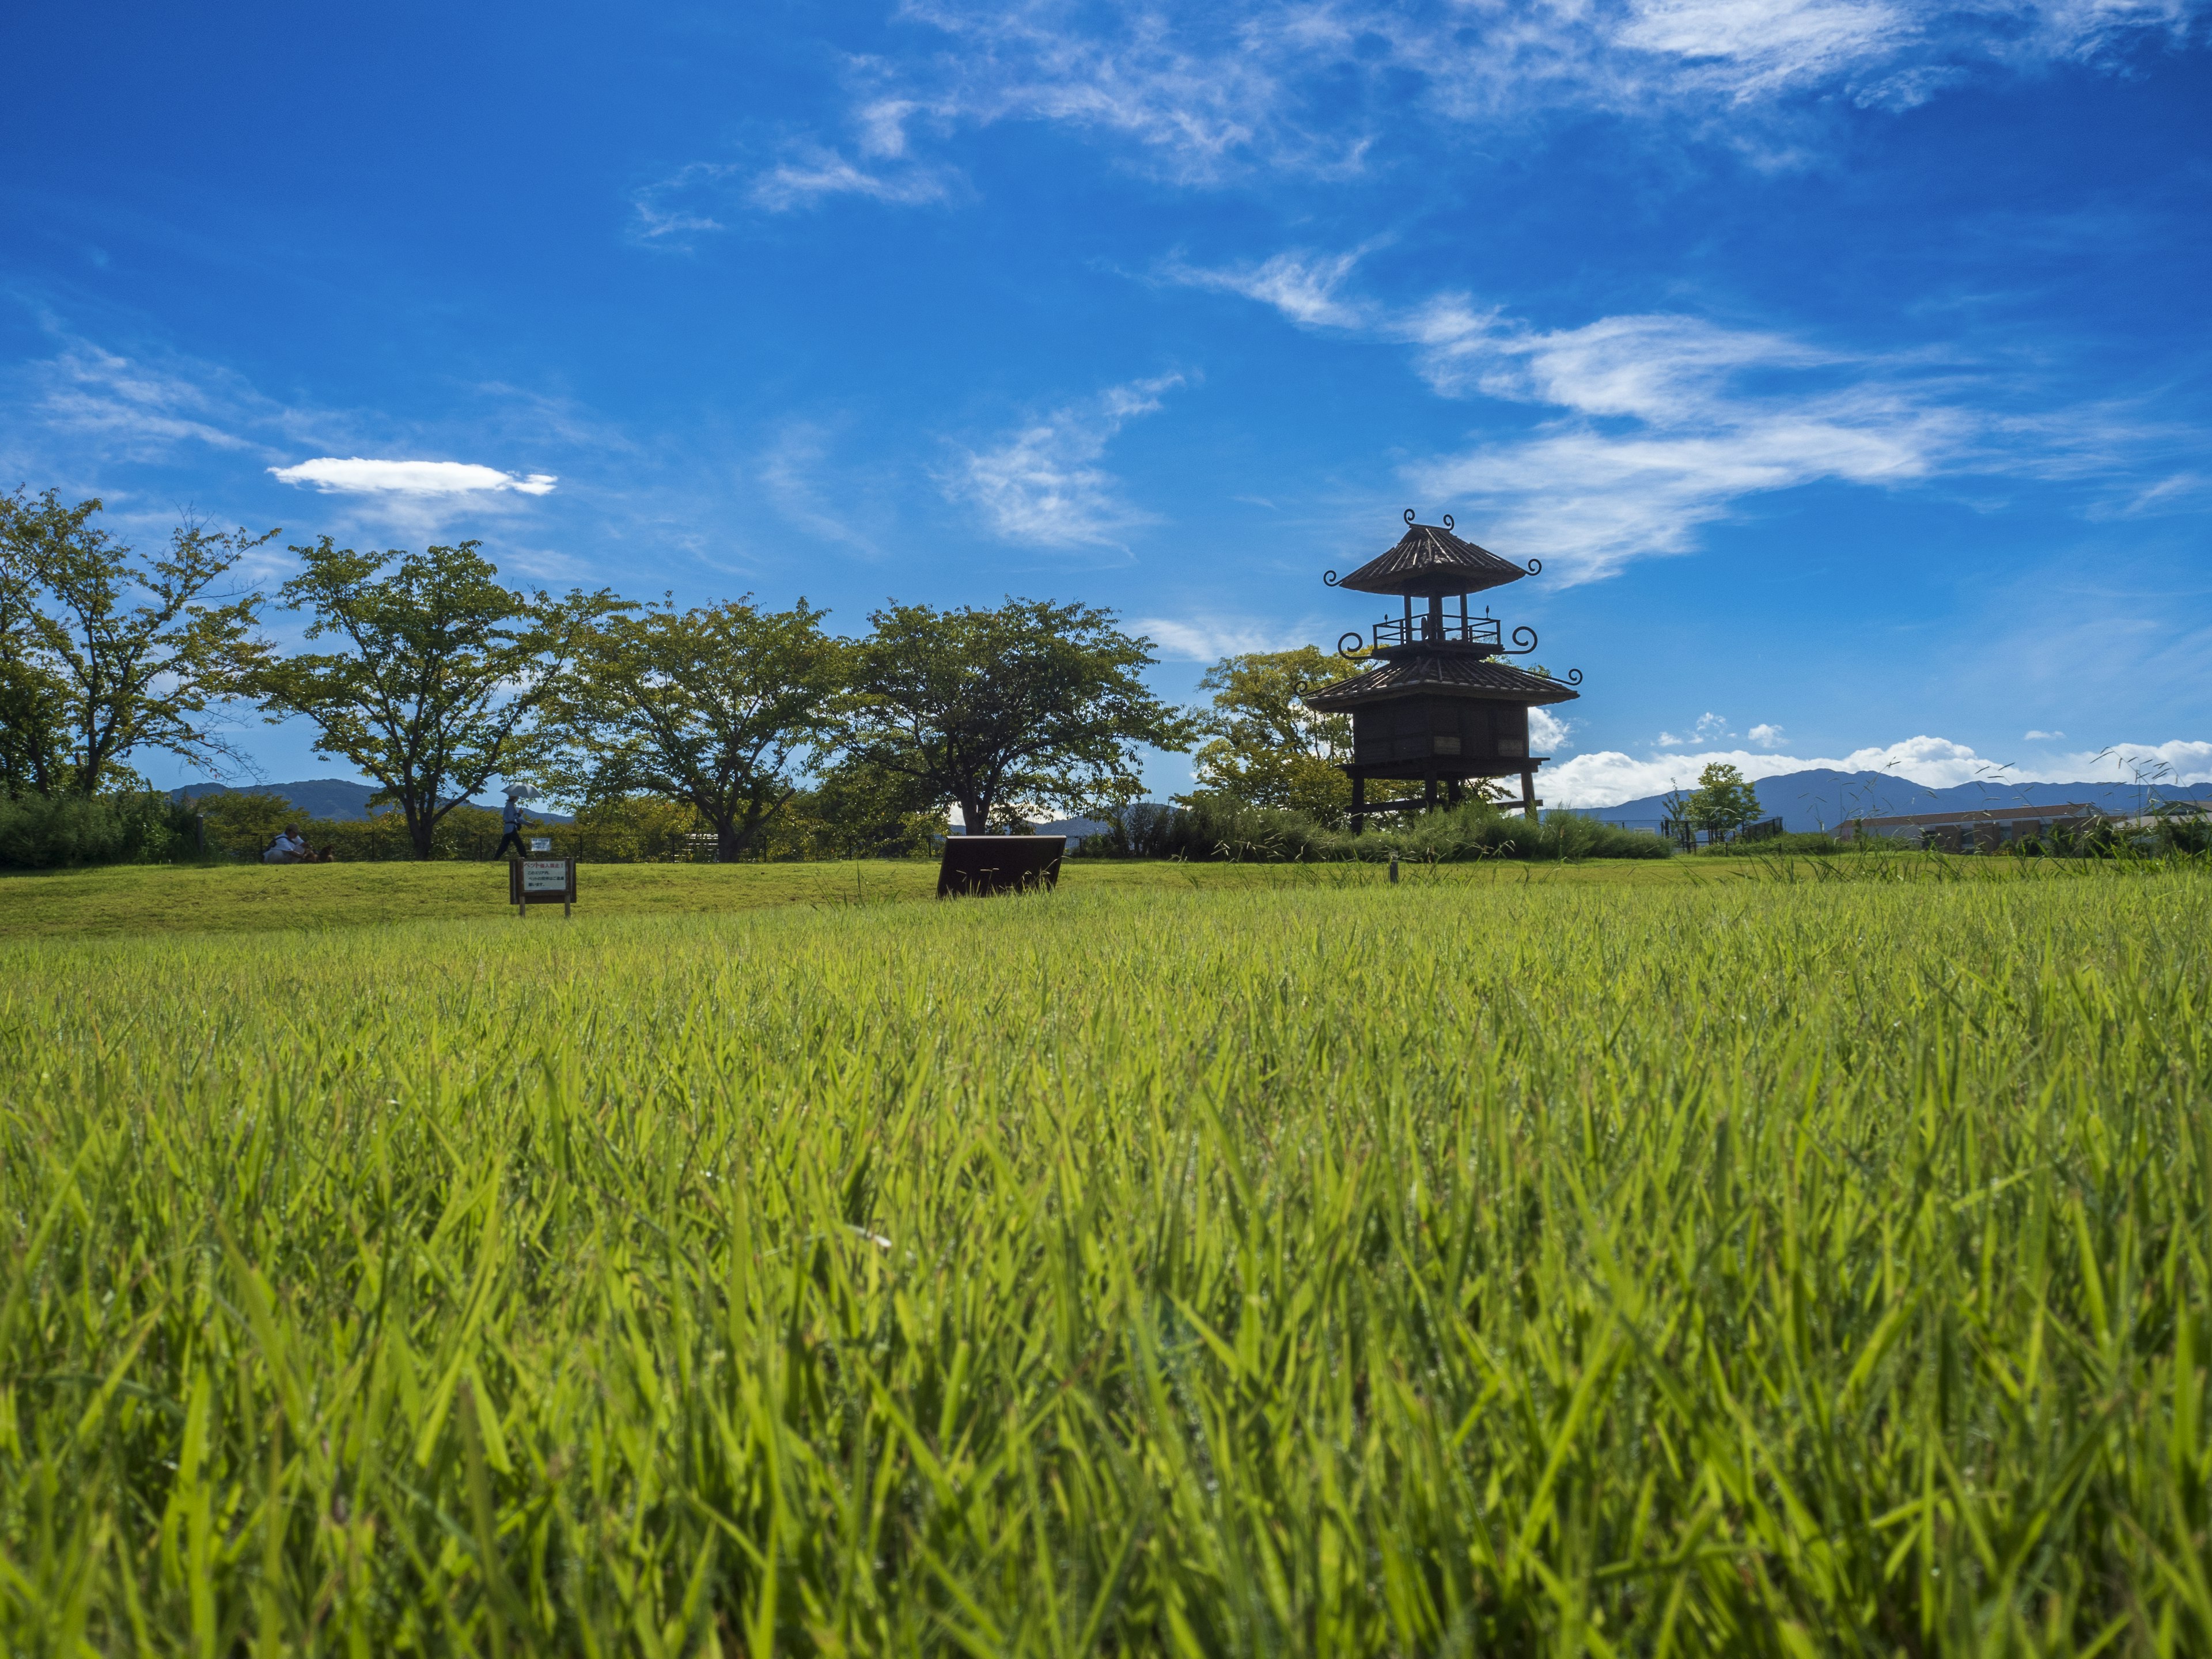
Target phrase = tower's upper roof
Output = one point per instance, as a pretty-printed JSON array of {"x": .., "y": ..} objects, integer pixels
[{"x": 1429, "y": 560}]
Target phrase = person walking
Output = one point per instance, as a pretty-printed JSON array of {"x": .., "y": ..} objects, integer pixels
[{"x": 510, "y": 820}]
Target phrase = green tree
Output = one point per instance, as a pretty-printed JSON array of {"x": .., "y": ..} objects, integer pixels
[
  {"x": 88, "y": 677},
  {"x": 710, "y": 706},
  {"x": 1032, "y": 703},
  {"x": 440, "y": 674},
  {"x": 33, "y": 698},
  {"x": 1264, "y": 745},
  {"x": 859, "y": 810},
  {"x": 1722, "y": 802}
]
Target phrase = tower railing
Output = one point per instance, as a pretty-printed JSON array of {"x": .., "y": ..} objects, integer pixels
[{"x": 1422, "y": 628}]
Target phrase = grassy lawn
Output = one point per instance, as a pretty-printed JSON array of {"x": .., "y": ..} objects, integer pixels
[
  {"x": 235, "y": 897},
  {"x": 1621, "y": 1259}
]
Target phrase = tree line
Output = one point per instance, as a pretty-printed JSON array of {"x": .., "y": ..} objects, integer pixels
[{"x": 429, "y": 675}]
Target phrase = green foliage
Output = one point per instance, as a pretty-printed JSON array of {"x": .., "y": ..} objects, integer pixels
[
  {"x": 88, "y": 677},
  {"x": 34, "y": 696},
  {"x": 439, "y": 674},
  {"x": 1817, "y": 842},
  {"x": 1622, "y": 1271},
  {"x": 1209, "y": 826},
  {"x": 707, "y": 706},
  {"x": 859, "y": 810},
  {"x": 241, "y": 823},
  {"x": 53, "y": 832},
  {"x": 1722, "y": 804},
  {"x": 1031, "y": 705},
  {"x": 629, "y": 830},
  {"x": 1265, "y": 746}
]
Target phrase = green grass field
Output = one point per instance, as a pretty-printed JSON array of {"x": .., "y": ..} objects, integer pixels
[
  {"x": 1505, "y": 1262},
  {"x": 254, "y": 897}
]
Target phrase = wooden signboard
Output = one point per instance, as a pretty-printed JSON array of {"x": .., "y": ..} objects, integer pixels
[
  {"x": 978, "y": 864},
  {"x": 541, "y": 881}
]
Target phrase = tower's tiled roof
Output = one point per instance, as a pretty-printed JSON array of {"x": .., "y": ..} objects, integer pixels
[
  {"x": 1429, "y": 559},
  {"x": 1450, "y": 676}
]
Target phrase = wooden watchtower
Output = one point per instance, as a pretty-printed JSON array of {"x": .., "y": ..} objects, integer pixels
[{"x": 1439, "y": 705}]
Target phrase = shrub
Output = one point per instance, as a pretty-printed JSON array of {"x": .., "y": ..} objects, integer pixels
[
  {"x": 1817, "y": 842},
  {"x": 43, "y": 832},
  {"x": 241, "y": 823},
  {"x": 1209, "y": 827}
]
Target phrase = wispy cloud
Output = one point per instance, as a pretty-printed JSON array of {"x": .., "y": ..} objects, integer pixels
[
  {"x": 1040, "y": 485},
  {"x": 145, "y": 405},
  {"x": 356, "y": 475},
  {"x": 1309, "y": 289},
  {"x": 1663, "y": 422},
  {"x": 1209, "y": 639},
  {"x": 1202, "y": 96},
  {"x": 1658, "y": 425}
]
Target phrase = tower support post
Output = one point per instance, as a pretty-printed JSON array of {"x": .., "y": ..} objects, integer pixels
[
  {"x": 1359, "y": 804},
  {"x": 1528, "y": 791}
]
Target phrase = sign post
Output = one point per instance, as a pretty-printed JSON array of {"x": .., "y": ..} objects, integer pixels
[{"x": 541, "y": 881}]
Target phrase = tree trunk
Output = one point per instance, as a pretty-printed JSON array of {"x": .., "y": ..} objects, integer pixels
[
  {"x": 975, "y": 813},
  {"x": 729, "y": 843},
  {"x": 422, "y": 827}
]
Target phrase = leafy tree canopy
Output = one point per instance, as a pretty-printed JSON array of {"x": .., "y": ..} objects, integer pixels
[
  {"x": 439, "y": 673},
  {"x": 1722, "y": 802},
  {"x": 709, "y": 707},
  {"x": 1265, "y": 746},
  {"x": 89, "y": 676},
  {"x": 1032, "y": 703}
]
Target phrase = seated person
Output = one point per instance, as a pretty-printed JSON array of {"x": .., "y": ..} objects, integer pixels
[{"x": 290, "y": 848}]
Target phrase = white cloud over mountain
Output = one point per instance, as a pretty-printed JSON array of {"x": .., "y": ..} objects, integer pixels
[{"x": 1608, "y": 777}]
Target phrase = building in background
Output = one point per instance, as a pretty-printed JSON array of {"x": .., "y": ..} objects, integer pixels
[{"x": 1978, "y": 830}]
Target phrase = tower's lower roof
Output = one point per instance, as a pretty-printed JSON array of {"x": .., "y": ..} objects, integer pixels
[{"x": 1441, "y": 675}]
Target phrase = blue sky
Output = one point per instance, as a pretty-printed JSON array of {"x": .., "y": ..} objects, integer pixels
[{"x": 1845, "y": 362}]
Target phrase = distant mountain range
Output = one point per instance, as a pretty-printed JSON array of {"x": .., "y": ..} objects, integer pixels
[
  {"x": 1821, "y": 798},
  {"x": 332, "y": 799}
]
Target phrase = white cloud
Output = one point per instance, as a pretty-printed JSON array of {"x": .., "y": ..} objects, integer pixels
[
  {"x": 2042, "y": 737},
  {"x": 1547, "y": 732},
  {"x": 1041, "y": 484},
  {"x": 1766, "y": 737},
  {"x": 1610, "y": 776},
  {"x": 1709, "y": 727},
  {"x": 356, "y": 476},
  {"x": 2179, "y": 762}
]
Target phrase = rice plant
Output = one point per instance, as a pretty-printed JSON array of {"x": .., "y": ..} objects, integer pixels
[{"x": 1745, "y": 1266}]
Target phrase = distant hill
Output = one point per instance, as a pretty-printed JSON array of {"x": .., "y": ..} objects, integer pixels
[
  {"x": 1822, "y": 798},
  {"x": 333, "y": 799}
]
